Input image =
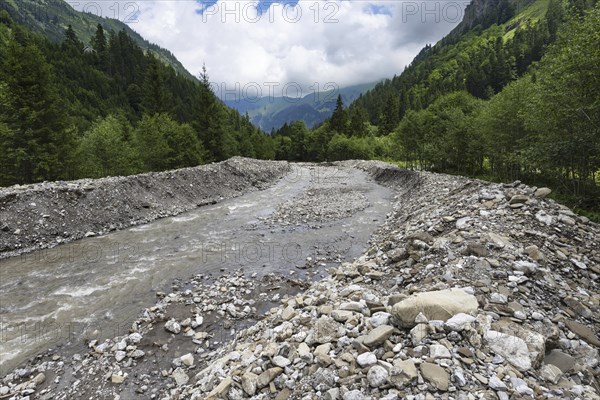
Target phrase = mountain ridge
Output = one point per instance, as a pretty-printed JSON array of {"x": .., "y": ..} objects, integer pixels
[{"x": 270, "y": 113}]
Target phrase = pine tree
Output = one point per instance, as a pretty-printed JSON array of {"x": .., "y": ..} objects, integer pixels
[
  {"x": 391, "y": 114},
  {"x": 36, "y": 134},
  {"x": 339, "y": 118},
  {"x": 210, "y": 122},
  {"x": 100, "y": 45},
  {"x": 358, "y": 121},
  {"x": 155, "y": 97},
  {"x": 71, "y": 37}
]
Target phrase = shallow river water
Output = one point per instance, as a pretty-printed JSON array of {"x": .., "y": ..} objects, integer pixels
[{"x": 95, "y": 287}]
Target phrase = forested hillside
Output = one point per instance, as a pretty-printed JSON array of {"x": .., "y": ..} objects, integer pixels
[
  {"x": 512, "y": 93},
  {"x": 51, "y": 17},
  {"x": 71, "y": 110}
]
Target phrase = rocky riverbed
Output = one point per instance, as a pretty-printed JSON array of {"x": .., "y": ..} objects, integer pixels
[
  {"x": 469, "y": 290},
  {"x": 47, "y": 214}
]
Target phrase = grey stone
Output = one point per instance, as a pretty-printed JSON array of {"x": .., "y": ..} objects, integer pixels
[
  {"x": 496, "y": 384},
  {"x": 378, "y": 335},
  {"x": 459, "y": 322},
  {"x": 249, "y": 383},
  {"x": 438, "y": 305},
  {"x": 438, "y": 351},
  {"x": 521, "y": 386},
  {"x": 562, "y": 360},
  {"x": 542, "y": 192},
  {"x": 181, "y": 378},
  {"x": 435, "y": 375},
  {"x": 551, "y": 373}
]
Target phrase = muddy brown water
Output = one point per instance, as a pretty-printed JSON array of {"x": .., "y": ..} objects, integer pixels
[{"x": 97, "y": 286}]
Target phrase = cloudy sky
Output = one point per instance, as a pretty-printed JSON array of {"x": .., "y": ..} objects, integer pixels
[{"x": 280, "y": 47}]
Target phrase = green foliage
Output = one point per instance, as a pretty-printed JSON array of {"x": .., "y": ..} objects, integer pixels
[
  {"x": 162, "y": 143},
  {"x": 443, "y": 137},
  {"x": 106, "y": 149},
  {"x": 166, "y": 120},
  {"x": 358, "y": 122},
  {"x": 36, "y": 138},
  {"x": 566, "y": 105},
  {"x": 339, "y": 119},
  {"x": 503, "y": 125},
  {"x": 155, "y": 97},
  {"x": 342, "y": 147}
]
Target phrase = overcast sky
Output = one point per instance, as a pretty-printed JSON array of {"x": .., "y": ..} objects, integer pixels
[{"x": 282, "y": 46}]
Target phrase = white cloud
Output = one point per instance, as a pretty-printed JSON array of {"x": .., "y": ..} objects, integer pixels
[{"x": 345, "y": 42}]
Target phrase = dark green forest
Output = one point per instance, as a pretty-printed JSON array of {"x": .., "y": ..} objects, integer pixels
[
  {"x": 510, "y": 94},
  {"x": 71, "y": 109}
]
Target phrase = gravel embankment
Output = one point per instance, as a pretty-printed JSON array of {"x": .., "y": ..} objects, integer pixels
[
  {"x": 46, "y": 214},
  {"x": 470, "y": 290}
]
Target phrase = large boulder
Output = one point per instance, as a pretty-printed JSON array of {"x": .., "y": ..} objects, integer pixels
[{"x": 436, "y": 305}]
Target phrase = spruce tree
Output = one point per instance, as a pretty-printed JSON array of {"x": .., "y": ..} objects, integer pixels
[
  {"x": 36, "y": 134},
  {"x": 339, "y": 117}
]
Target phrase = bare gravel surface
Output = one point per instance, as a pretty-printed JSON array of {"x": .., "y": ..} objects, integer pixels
[{"x": 469, "y": 290}]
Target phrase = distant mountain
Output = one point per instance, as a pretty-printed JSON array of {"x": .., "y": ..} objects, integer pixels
[
  {"x": 273, "y": 112},
  {"x": 51, "y": 18}
]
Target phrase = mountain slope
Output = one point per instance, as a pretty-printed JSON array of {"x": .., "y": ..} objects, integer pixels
[
  {"x": 52, "y": 17},
  {"x": 273, "y": 112},
  {"x": 495, "y": 43}
]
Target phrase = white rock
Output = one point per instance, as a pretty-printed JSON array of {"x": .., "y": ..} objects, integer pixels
[
  {"x": 117, "y": 379},
  {"x": 438, "y": 351},
  {"x": 377, "y": 376},
  {"x": 551, "y": 373},
  {"x": 496, "y": 384},
  {"x": 544, "y": 218},
  {"x": 280, "y": 361},
  {"x": 355, "y": 395},
  {"x": 380, "y": 318},
  {"x": 459, "y": 322},
  {"x": 120, "y": 355},
  {"x": 173, "y": 326},
  {"x": 521, "y": 386},
  {"x": 498, "y": 298},
  {"x": 187, "y": 359},
  {"x": 526, "y": 267},
  {"x": 134, "y": 338},
  {"x": 181, "y": 378},
  {"x": 512, "y": 348},
  {"x": 462, "y": 222},
  {"x": 366, "y": 359},
  {"x": 579, "y": 264}
]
